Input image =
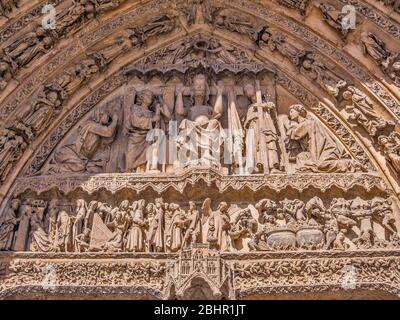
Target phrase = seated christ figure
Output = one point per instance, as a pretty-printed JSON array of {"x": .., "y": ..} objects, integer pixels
[{"x": 200, "y": 133}]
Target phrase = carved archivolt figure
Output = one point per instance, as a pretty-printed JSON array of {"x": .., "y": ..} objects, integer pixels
[
  {"x": 7, "y": 6},
  {"x": 300, "y": 5},
  {"x": 311, "y": 147},
  {"x": 387, "y": 60},
  {"x": 390, "y": 146},
  {"x": 279, "y": 42},
  {"x": 6, "y": 71},
  {"x": 12, "y": 147},
  {"x": 80, "y": 10},
  {"x": 40, "y": 114},
  {"x": 158, "y": 26},
  {"x": 106, "y": 5},
  {"x": 9, "y": 221},
  {"x": 393, "y": 69},
  {"x": 362, "y": 111},
  {"x": 108, "y": 53},
  {"x": 198, "y": 12},
  {"x": 91, "y": 152},
  {"x": 375, "y": 47},
  {"x": 28, "y": 47},
  {"x": 320, "y": 72},
  {"x": 236, "y": 24},
  {"x": 335, "y": 18},
  {"x": 394, "y": 3},
  {"x": 261, "y": 126},
  {"x": 74, "y": 77}
]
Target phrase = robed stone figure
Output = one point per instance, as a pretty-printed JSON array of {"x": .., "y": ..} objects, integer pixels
[
  {"x": 261, "y": 127},
  {"x": 201, "y": 123},
  {"x": 140, "y": 120}
]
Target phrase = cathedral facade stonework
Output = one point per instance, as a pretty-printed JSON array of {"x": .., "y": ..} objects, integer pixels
[{"x": 202, "y": 149}]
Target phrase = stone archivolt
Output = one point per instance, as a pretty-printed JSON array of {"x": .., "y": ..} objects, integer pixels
[{"x": 211, "y": 145}]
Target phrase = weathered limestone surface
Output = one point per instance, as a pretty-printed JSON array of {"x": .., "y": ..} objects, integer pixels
[{"x": 203, "y": 149}]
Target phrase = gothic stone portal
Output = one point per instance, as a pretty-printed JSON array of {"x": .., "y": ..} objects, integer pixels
[{"x": 205, "y": 152}]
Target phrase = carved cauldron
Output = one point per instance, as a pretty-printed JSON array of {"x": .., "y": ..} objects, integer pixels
[
  {"x": 310, "y": 238},
  {"x": 281, "y": 239}
]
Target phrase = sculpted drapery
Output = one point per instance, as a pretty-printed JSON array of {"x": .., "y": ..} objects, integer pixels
[
  {"x": 90, "y": 152},
  {"x": 312, "y": 148}
]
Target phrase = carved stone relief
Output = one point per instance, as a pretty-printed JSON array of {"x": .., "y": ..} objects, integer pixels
[
  {"x": 387, "y": 60},
  {"x": 392, "y": 3},
  {"x": 158, "y": 226},
  {"x": 172, "y": 159},
  {"x": 7, "y": 6},
  {"x": 300, "y": 5}
]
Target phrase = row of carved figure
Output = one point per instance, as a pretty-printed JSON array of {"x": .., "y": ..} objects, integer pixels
[
  {"x": 39, "y": 41},
  {"x": 301, "y": 138},
  {"x": 32, "y": 44},
  {"x": 158, "y": 226},
  {"x": 257, "y": 146},
  {"x": 372, "y": 44},
  {"x": 50, "y": 101}
]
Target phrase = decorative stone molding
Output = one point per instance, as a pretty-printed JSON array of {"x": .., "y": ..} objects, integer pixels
[
  {"x": 255, "y": 275},
  {"x": 179, "y": 182}
]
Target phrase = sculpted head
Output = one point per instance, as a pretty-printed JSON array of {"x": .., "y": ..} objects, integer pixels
[
  {"x": 52, "y": 97},
  {"x": 347, "y": 95},
  {"x": 146, "y": 98},
  {"x": 297, "y": 111},
  {"x": 40, "y": 32},
  {"x": 104, "y": 118},
  {"x": 150, "y": 209},
  {"x": 47, "y": 42},
  {"x": 124, "y": 205},
  {"x": 192, "y": 205},
  {"x": 4, "y": 67},
  {"x": 383, "y": 141},
  {"x": 159, "y": 203},
  {"x": 250, "y": 92},
  {"x": 223, "y": 207},
  {"x": 15, "y": 203},
  {"x": 200, "y": 89},
  {"x": 174, "y": 207}
]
